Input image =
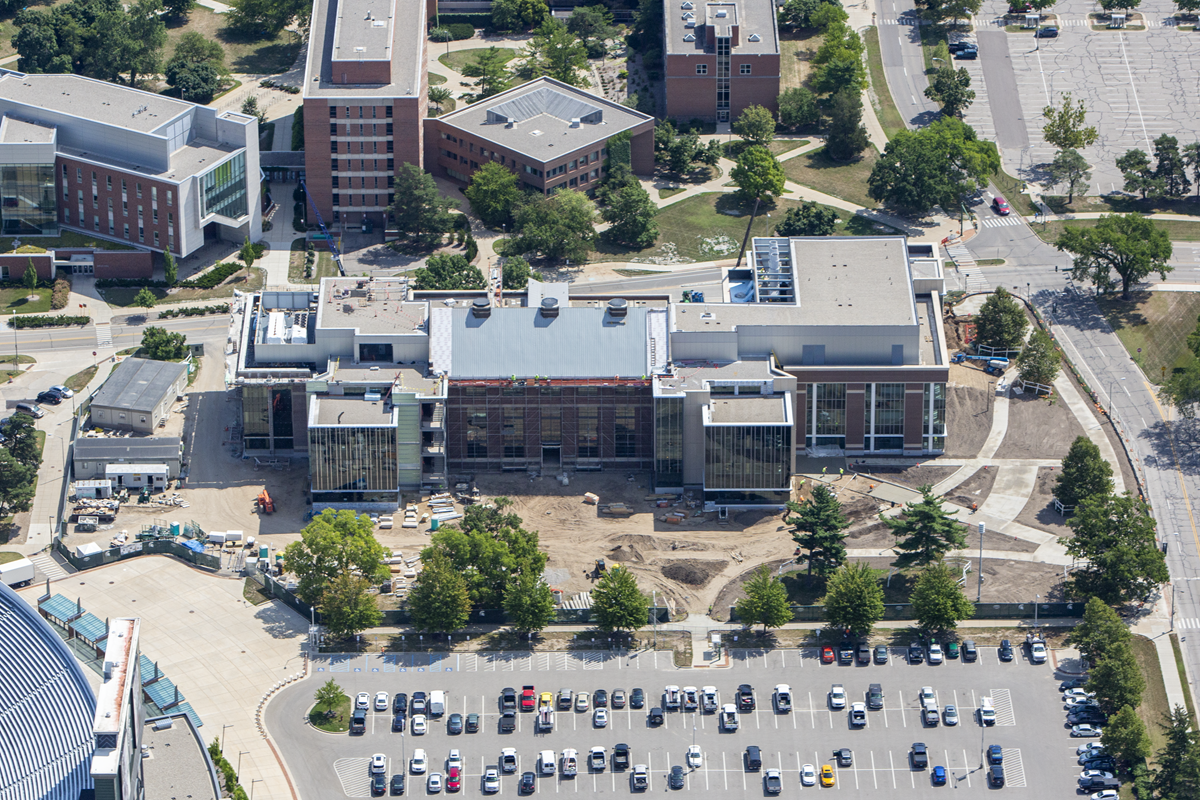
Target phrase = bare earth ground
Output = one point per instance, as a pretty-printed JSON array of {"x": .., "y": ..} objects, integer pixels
[
  {"x": 1046, "y": 429},
  {"x": 914, "y": 477},
  {"x": 1039, "y": 512},
  {"x": 968, "y": 410},
  {"x": 975, "y": 489}
]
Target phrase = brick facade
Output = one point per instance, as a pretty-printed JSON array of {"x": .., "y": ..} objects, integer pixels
[
  {"x": 158, "y": 201},
  {"x": 694, "y": 96}
]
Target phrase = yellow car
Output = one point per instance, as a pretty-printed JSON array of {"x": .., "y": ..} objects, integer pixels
[
  {"x": 546, "y": 700},
  {"x": 827, "y": 775}
]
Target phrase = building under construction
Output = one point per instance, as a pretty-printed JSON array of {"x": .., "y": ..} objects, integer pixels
[{"x": 822, "y": 346}]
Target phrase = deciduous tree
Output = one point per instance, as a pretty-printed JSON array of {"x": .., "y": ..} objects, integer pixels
[
  {"x": 1116, "y": 679},
  {"x": 1114, "y": 537},
  {"x": 555, "y": 52},
  {"x": 766, "y": 602},
  {"x": 938, "y": 601},
  {"x": 529, "y": 603},
  {"x": 630, "y": 214},
  {"x": 1084, "y": 473},
  {"x": 30, "y": 277},
  {"x": 952, "y": 89},
  {"x": 755, "y": 125},
  {"x": 170, "y": 269},
  {"x": 925, "y": 532},
  {"x": 21, "y": 441},
  {"x": 853, "y": 598},
  {"x": 160, "y": 344},
  {"x": 515, "y": 273},
  {"x": 438, "y": 601},
  {"x": 592, "y": 24},
  {"x": 16, "y": 484},
  {"x": 1039, "y": 359},
  {"x": 1130, "y": 245},
  {"x": 940, "y": 164},
  {"x": 490, "y": 67},
  {"x": 1001, "y": 322},
  {"x": 348, "y": 607},
  {"x": 818, "y": 526},
  {"x": 1125, "y": 738},
  {"x": 448, "y": 272},
  {"x": 838, "y": 61},
  {"x": 808, "y": 219},
  {"x": 1069, "y": 168},
  {"x": 493, "y": 193},
  {"x": 420, "y": 212},
  {"x": 334, "y": 542},
  {"x": 617, "y": 603},
  {"x": 1099, "y": 629},
  {"x": 798, "y": 108},
  {"x": 758, "y": 174},
  {"x": 1066, "y": 127},
  {"x": 561, "y": 226},
  {"x": 328, "y": 695}
]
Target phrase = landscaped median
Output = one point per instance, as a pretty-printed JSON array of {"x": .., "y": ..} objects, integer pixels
[{"x": 48, "y": 321}]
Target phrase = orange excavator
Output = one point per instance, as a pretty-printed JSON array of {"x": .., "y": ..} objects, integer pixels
[{"x": 265, "y": 504}]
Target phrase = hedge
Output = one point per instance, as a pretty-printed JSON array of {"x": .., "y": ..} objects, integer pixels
[
  {"x": 460, "y": 30},
  {"x": 194, "y": 311},
  {"x": 46, "y": 321},
  {"x": 208, "y": 280},
  {"x": 60, "y": 295},
  {"x": 474, "y": 20}
]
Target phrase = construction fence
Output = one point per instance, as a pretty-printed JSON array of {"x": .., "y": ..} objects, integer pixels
[
  {"x": 135, "y": 549},
  {"x": 904, "y": 611}
]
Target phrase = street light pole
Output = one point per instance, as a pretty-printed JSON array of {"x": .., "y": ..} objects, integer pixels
[
  {"x": 239, "y": 767},
  {"x": 256, "y": 780},
  {"x": 979, "y": 593}
]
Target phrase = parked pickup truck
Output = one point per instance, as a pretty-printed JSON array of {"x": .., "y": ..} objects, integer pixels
[
  {"x": 508, "y": 759},
  {"x": 528, "y": 698},
  {"x": 570, "y": 763},
  {"x": 508, "y": 722},
  {"x": 708, "y": 699},
  {"x": 508, "y": 699}
]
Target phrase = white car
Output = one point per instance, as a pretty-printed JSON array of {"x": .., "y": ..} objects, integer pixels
[
  {"x": 491, "y": 781},
  {"x": 1069, "y": 693},
  {"x": 600, "y": 718},
  {"x": 378, "y": 763},
  {"x": 808, "y": 775},
  {"x": 363, "y": 701},
  {"x": 694, "y": 758},
  {"x": 927, "y": 696},
  {"x": 62, "y": 391},
  {"x": 950, "y": 716},
  {"x": 837, "y": 696},
  {"x": 454, "y": 760},
  {"x": 1080, "y": 702},
  {"x": 783, "y": 698},
  {"x": 1094, "y": 773},
  {"x": 858, "y": 715},
  {"x": 418, "y": 725},
  {"x": 1090, "y": 747},
  {"x": 1037, "y": 653},
  {"x": 419, "y": 763},
  {"x": 1085, "y": 731},
  {"x": 935, "y": 653},
  {"x": 583, "y": 701},
  {"x": 381, "y": 701},
  {"x": 433, "y": 783},
  {"x": 1107, "y": 794}
]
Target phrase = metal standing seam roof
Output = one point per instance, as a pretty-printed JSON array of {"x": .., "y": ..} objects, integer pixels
[
  {"x": 157, "y": 448},
  {"x": 186, "y": 708},
  {"x": 162, "y": 693},
  {"x": 89, "y": 627},
  {"x": 45, "y": 755},
  {"x": 521, "y": 342},
  {"x": 146, "y": 668},
  {"x": 139, "y": 384}
]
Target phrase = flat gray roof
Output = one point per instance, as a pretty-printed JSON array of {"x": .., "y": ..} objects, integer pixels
[
  {"x": 542, "y": 112},
  {"x": 770, "y": 409},
  {"x": 363, "y": 30},
  {"x": 175, "y": 767},
  {"x": 91, "y": 99},
  {"x": 156, "y": 448},
  {"x": 370, "y": 306},
  {"x": 139, "y": 384},
  {"x": 16, "y": 131},
  {"x": 853, "y": 280},
  {"x": 410, "y": 377},
  {"x": 197, "y": 156},
  {"x": 691, "y": 375},
  {"x": 407, "y": 48},
  {"x": 754, "y": 18},
  {"x": 578, "y": 343},
  {"x": 352, "y": 411}
]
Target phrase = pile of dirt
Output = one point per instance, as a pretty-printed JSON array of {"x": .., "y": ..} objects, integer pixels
[
  {"x": 872, "y": 535},
  {"x": 968, "y": 413},
  {"x": 693, "y": 571}
]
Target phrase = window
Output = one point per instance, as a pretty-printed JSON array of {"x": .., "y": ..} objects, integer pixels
[
  {"x": 337, "y": 200},
  {"x": 702, "y": 69},
  {"x": 374, "y": 112},
  {"x": 335, "y": 182},
  {"x": 360, "y": 114},
  {"x": 64, "y": 169},
  {"x": 744, "y": 69},
  {"x": 138, "y": 186},
  {"x": 347, "y": 112},
  {"x": 78, "y": 175},
  {"x": 533, "y": 170},
  {"x": 156, "y": 238},
  {"x": 126, "y": 230},
  {"x": 169, "y": 193},
  {"x": 387, "y": 112},
  {"x": 514, "y": 432},
  {"x": 154, "y": 214},
  {"x": 389, "y": 145},
  {"x": 96, "y": 222},
  {"x": 391, "y": 181},
  {"x": 170, "y": 219},
  {"x": 333, "y": 112},
  {"x": 333, "y": 129},
  {"x": 112, "y": 227},
  {"x": 108, "y": 182},
  {"x": 476, "y": 432},
  {"x": 625, "y": 433},
  {"x": 588, "y": 438},
  {"x": 67, "y": 215},
  {"x": 333, "y": 165},
  {"x": 388, "y": 130},
  {"x": 391, "y": 164},
  {"x": 333, "y": 147}
]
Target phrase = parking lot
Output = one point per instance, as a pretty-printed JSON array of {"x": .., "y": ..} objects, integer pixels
[
  {"x": 1135, "y": 85},
  {"x": 1038, "y": 751}
]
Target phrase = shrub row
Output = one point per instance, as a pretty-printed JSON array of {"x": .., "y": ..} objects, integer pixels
[
  {"x": 194, "y": 311},
  {"x": 270, "y": 84},
  {"x": 60, "y": 295},
  {"x": 46, "y": 321},
  {"x": 208, "y": 280},
  {"x": 227, "y": 772}
]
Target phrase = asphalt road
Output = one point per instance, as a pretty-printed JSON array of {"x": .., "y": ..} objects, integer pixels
[
  {"x": 126, "y": 332},
  {"x": 903, "y": 61},
  {"x": 1038, "y": 753}
]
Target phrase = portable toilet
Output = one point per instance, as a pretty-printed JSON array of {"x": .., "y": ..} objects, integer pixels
[{"x": 175, "y": 527}]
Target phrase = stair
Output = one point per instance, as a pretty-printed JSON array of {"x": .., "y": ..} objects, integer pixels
[{"x": 48, "y": 567}]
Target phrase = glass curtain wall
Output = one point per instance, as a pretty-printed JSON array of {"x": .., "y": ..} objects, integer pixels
[
  {"x": 668, "y": 441},
  {"x": 935, "y": 417},
  {"x": 883, "y": 417},
  {"x": 353, "y": 459},
  {"x": 256, "y": 417},
  {"x": 588, "y": 438},
  {"x": 747, "y": 457},
  {"x": 825, "y": 414},
  {"x": 223, "y": 189},
  {"x": 30, "y": 205}
]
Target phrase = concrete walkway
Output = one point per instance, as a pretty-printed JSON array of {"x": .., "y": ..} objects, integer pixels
[
  {"x": 1065, "y": 390},
  {"x": 1156, "y": 626}
]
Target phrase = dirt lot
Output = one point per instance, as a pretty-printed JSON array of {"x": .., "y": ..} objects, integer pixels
[
  {"x": 968, "y": 410},
  {"x": 912, "y": 477},
  {"x": 975, "y": 489},
  {"x": 1039, "y": 512},
  {"x": 1046, "y": 429}
]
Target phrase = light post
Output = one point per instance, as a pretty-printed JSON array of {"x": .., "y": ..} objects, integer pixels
[
  {"x": 256, "y": 780},
  {"x": 979, "y": 592},
  {"x": 654, "y": 612},
  {"x": 239, "y": 767}
]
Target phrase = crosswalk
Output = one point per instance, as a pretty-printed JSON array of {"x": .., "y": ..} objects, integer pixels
[
  {"x": 354, "y": 775},
  {"x": 47, "y": 567},
  {"x": 104, "y": 334},
  {"x": 964, "y": 262},
  {"x": 1002, "y": 222},
  {"x": 1187, "y": 622}
]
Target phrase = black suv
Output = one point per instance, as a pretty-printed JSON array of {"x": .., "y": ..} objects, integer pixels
[
  {"x": 916, "y": 653},
  {"x": 996, "y": 775},
  {"x": 920, "y": 755},
  {"x": 49, "y": 397},
  {"x": 845, "y": 652},
  {"x": 1006, "y": 651},
  {"x": 600, "y": 698},
  {"x": 400, "y": 703},
  {"x": 994, "y": 754},
  {"x": 875, "y": 696},
  {"x": 745, "y": 697},
  {"x": 969, "y": 653},
  {"x": 528, "y": 783}
]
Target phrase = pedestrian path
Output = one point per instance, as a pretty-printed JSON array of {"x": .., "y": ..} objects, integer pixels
[
  {"x": 104, "y": 335},
  {"x": 1003, "y": 222},
  {"x": 48, "y": 567}
]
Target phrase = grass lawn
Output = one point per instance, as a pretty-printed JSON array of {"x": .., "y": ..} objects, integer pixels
[
  {"x": 323, "y": 268},
  {"x": 1187, "y": 691},
  {"x": 123, "y": 295},
  {"x": 665, "y": 193},
  {"x": 64, "y": 239},
  {"x": 257, "y": 57},
  {"x": 1158, "y": 324},
  {"x": 457, "y": 59},
  {"x": 708, "y": 227},
  {"x": 253, "y": 594},
  {"x": 989, "y": 262},
  {"x": 1122, "y": 204},
  {"x": 847, "y": 181},
  {"x": 7, "y": 557},
  {"x": 1154, "y": 699},
  {"x": 885, "y": 109},
  {"x": 14, "y": 300},
  {"x": 7, "y": 374},
  {"x": 436, "y": 80},
  {"x": 79, "y": 381},
  {"x": 1010, "y": 189},
  {"x": 1178, "y": 230},
  {"x": 339, "y": 722},
  {"x": 796, "y": 50},
  {"x": 777, "y": 147}
]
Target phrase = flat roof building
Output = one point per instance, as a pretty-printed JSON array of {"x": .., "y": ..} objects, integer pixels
[
  {"x": 365, "y": 89},
  {"x": 137, "y": 396},
  {"x": 94, "y": 457},
  {"x": 552, "y": 134},
  {"x": 124, "y": 164},
  {"x": 720, "y": 57}
]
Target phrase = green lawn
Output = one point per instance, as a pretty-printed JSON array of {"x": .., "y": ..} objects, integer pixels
[
  {"x": 1183, "y": 678},
  {"x": 123, "y": 295},
  {"x": 846, "y": 181},
  {"x": 1178, "y": 230},
  {"x": 457, "y": 59},
  {"x": 14, "y": 300},
  {"x": 338, "y": 723},
  {"x": 1010, "y": 190},
  {"x": 1157, "y": 324},
  {"x": 323, "y": 268},
  {"x": 1121, "y": 204},
  {"x": 796, "y": 50},
  {"x": 254, "y": 56},
  {"x": 1154, "y": 700},
  {"x": 889, "y": 115},
  {"x": 777, "y": 147},
  {"x": 7, "y": 557},
  {"x": 64, "y": 239},
  {"x": 695, "y": 229},
  {"x": 79, "y": 381},
  {"x": 436, "y": 80},
  {"x": 7, "y": 374}
]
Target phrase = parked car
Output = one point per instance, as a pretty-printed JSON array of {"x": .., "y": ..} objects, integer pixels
[
  {"x": 637, "y": 698},
  {"x": 1085, "y": 731},
  {"x": 1006, "y": 651},
  {"x": 695, "y": 759},
  {"x": 453, "y": 779},
  {"x": 398, "y": 722},
  {"x": 827, "y": 778},
  {"x": 433, "y": 784},
  {"x": 582, "y": 701},
  {"x": 528, "y": 783},
  {"x": 969, "y": 653},
  {"x": 641, "y": 778},
  {"x": 938, "y": 776},
  {"x": 1089, "y": 747},
  {"x": 827, "y": 655},
  {"x": 935, "y": 653},
  {"x": 597, "y": 759},
  {"x": 920, "y": 755},
  {"x": 675, "y": 780},
  {"x": 844, "y": 756},
  {"x": 362, "y": 700},
  {"x": 881, "y": 654},
  {"x": 772, "y": 781},
  {"x": 49, "y": 397},
  {"x": 600, "y": 698},
  {"x": 994, "y": 754},
  {"x": 858, "y": 715},
  {"x": 418, "y": 703},
  {"x": 808, "y": 775},
  {"x": 837, "y": 696},
  {"x": 61, "y": 391},
  {"x": 845, "y": 652},
  {"x": 398, "y": 783},
  {"x": 950, "y": 715},
  {"x": 951, "y": 649},
  {"x": 916, "y": 653},
  {"x": 419, "y": 725},
  {"x": 600, "y": 718},
  {"x": 621, "y": 756},
  {"x": 864, "y": 653},
  {"x": 378, "y": 785},
  {"x": 996, "y": 775},
  {"x": 967, "y": 54},
  {"x": 378, "y": 763},
  {"x": 875, "y": 697},
  {"x": 454, "y": 725},
  {"x": 400, "y": 703},
  {"x": 491, "y": 781},
  {"x": 472, "y": 723},
  {"x": 618, "y": 698},
  {"x": 418, "y": 763},
  {"x": 32, "y": 409},
  {"x": 745, "y": 697},
  {"x": 1072, "y": 683}
]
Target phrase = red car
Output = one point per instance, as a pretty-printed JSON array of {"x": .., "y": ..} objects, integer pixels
[
  {"x": 827, "y": 655},
  {"x": 453, "y": 779},
  {"x": 1000, "y": 206}
]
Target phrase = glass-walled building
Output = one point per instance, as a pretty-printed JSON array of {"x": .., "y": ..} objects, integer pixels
[
  {"x": 223, "y": 189},
  {"x": 748, "y": 448},
  {"x": 28, "y": 205},
  {"x": 353, "y": 450}
]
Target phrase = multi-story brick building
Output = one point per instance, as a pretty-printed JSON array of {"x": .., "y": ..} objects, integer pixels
[
  {"x": 364, "y": 102},
  {"x": 124, "y": 164},
  {"x": 720, "y": 57},
  {"x": 553, "y": 135}
]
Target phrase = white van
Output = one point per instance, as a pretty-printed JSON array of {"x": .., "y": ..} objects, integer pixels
[
  {"x": 546, "y": 762},
  {"x": 437, "y": 703},
  {"x": 987, "y": 713}
]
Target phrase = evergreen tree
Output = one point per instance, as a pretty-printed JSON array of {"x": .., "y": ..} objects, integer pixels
[
  {"x": 16, "y": 483},
  {"x": 766, "y": 602},
  {"x": 420, "y": 212},
  {"x": 21, "y": 440},
  {"x": 438, "y": 601},
  {"x": 1139, "y": 177},
  {"x": 1171, "y": 169},
  {"x": 846, "y": 136},
  {"x": 853, "y": 598},
  {"x": 170, "y": 270},
  {"x": 144, "y": 298},
  {"x": 818, "y": 527},
  {"x": 1001, "y": 322},
  {"x": 1116, "y": 679},
  {"x": 937, "y": 600},
  {"x": 617, "y": 603},
  {"x": 1125, "y": 738},
  {"x": 30, "y": 277},
  {"x": 1175, "y": 778},
  {"x": 1099, "y": 629},
  {"x": 1084, "y": 473},
  {"x": 1039, "y": 359},
  {"x": 925, "y": 533},
  {"x": 593, "y": 25}
]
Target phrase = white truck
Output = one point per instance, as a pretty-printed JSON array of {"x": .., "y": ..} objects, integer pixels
[
  {"x": 708, "y": 699},
  {"x": 17, "y": 573},
  {"x": 671, "y": 698},
  {"x": 545, "y": 719},
  {"x": 437, "y": 703},
  {"x": 729, "y": 720},
  {"x": 691, "y": 698},
  {"x": 570, "y": 763}
]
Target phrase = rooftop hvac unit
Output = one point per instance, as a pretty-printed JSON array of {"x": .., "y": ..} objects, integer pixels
[
  {"x": 618, "y": 307},
  {"x": 480, "y": 308},
  {"x": 549, "y": 307}
]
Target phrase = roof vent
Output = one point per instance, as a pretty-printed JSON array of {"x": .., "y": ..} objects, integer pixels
[
  {"x": 618, "y": 307},
  {"x": 754, "y": 37},
  {"x": 690, "y": 37},
  {"x": 512, "y": 123},
  {"x": 722, "y": 13},
  {"x": 549, "y": 307},
  {"x": 481, "y": 308},
  {"x": 690, "y": 23},
  {"x": 574, "y": 122},
  {"x": 687, "y": 5}
]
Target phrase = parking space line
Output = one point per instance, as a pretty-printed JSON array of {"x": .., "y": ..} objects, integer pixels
[
  {"x": 873, "y": 776},
  {"x": 724, "y": 772},
  {"x": 649, "y": 772},
  {"x": 812, "y": 710},
  {"x": 892, "y": 770},
  {"x": 965, "y": 767}
]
